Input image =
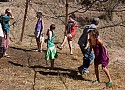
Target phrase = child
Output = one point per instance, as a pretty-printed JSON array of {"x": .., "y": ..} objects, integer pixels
[
  {"x": 39, "y": 29},
  {"x": 6, "y": 28},
  {"x": 85, "y": 46},
  {"x": 101, "y": 55},
  {"x": 51, "y": 53},
  {"x": 70, "y": 33}
]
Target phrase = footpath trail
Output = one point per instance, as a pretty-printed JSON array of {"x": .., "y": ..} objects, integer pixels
[{"x": 27, "y": 70}]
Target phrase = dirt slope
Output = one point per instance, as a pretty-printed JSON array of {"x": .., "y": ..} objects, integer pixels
[{"x": 27, "y": 70}]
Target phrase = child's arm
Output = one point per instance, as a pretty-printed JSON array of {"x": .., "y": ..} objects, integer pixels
[
  {"x": 88, "y": 41},
  {"x": 42, "y": 27},
  {"x": 49, "y": 35},
  {"x": 87, "y": 45},
  {"x": 99, "y": 41},
  {"x": 90, "y": 47},
  {"x": 11, "y": 15}
]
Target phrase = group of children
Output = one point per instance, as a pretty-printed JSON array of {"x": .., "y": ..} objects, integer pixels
[
  {"x": 51, "y": 53},
  {"x": 88, "y": 41}
]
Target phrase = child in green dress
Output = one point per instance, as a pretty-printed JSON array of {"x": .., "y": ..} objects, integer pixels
[{"x": 51, "y": 53}]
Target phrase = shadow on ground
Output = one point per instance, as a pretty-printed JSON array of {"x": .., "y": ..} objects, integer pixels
[{"x": 57, "y": 71}]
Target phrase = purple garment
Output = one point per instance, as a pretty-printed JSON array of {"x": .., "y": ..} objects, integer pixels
[
  {"x": 100, "y": 55},
  {"x": 39, "y": 26}
]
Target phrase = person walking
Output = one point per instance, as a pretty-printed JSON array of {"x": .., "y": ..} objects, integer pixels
[
  {"x": 70, "y": 33},
  {"x": 85, "y": 46},
  {"x": 101, "y": 55}
]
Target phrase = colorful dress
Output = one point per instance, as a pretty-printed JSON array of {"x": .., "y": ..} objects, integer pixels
[
  {"x": 51, "y": 50},
  {"x": 71, "y": 27},
  {"x": 101, "y": 55},
  {"x": 38, "y": 28}
]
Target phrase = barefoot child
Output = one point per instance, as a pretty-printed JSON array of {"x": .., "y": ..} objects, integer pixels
[
  {"x": 101, "y": 55},
  {"x": 51, "y": 53},
  {"x": 6, "y": 29},
  {"x": 39, "y": 29},
  {"x": 69, "y": 34}
]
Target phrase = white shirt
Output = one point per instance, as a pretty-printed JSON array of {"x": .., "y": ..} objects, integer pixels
[{"x": 1, "y": 31}]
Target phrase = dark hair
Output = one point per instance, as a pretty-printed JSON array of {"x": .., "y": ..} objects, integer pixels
[
  {"x": 95, "y": 33},
  {"x": 95, "y": 21},
  {"x": 52, "y": 26},
  {"x": 6, "y": 11},
  {"x": 39, "y": 14},
  {"x": 72, "y": 16}
]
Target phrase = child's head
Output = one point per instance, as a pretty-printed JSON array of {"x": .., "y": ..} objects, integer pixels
[
  {"x": 95, "y": 21},
  {"x": 52, "y": 27},
  {"x": 7, "y": 11},
  {"x": 94, "y": 33},
  {"x": 39, "y": 15},
  {"x": 71, "y": 17}
]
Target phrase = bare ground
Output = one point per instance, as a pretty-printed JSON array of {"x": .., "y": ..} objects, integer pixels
[{"x": 27, "y": 70}]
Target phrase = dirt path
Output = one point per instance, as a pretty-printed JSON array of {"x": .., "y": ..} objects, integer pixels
[{"x": 26, "y": 70}]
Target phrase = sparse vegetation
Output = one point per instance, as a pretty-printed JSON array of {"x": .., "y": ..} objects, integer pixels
[{"x": 26, "y": 70}]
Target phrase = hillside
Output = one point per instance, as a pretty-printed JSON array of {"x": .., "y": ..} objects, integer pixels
[{"x": 26, "y": 70}]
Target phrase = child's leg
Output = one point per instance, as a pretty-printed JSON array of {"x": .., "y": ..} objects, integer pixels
[
  {"x": 38, "y": 43},
  {"x": 46, "y": 62},
  {"x": 107, "y": 73},
  {"x": 41, "y": 46},
  {"x": 64, "y": 41},
  {"x": 6, "y": 44},
  {"x": 52, "y": 63},
  {"x": 70, "y": 46},
  {"x": 97, "y": 72}
]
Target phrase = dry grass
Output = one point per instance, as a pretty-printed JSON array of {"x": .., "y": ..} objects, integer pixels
[{"x": 26, "y": 70}]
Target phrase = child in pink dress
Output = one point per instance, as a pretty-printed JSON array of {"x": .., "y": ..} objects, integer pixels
[
  {"x": 70, "y": 33},
  {"x": 101, "y": 55}
]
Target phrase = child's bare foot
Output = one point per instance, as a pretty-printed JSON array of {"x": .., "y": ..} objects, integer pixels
[
  {"x": 51, "y": 68},
  {"x": 6, "y": 55},
  {"x": 59, "y": 47},
  {"x": 46, "y": 63}
]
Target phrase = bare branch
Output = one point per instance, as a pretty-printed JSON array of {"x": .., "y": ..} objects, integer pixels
[{"x": 113, "y": 25}]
